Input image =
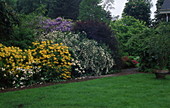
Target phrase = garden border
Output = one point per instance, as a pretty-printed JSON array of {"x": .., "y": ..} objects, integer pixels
[{"x": 123, "y": 72}]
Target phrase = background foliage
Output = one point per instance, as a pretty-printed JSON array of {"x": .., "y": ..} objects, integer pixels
[
  {"x": 54, "y": 8},
  {"x": 7, "y": 20},
  {"x": 127, "y": 31},
  {"x": 139, "y": 9},
  {"x": 157, "y": 55},
  {"x": 68, "y": 9},
  {"x": 90, "y": 10}
]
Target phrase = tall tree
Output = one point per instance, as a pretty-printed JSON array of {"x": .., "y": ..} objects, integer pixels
[
  {"x": 139, "y": 9},
  {"x": 68, "y": 9},
  {"x": 91, "y": 10},
  {"x": 7, "y": 20},
  {"x": 29, "y": 6}
]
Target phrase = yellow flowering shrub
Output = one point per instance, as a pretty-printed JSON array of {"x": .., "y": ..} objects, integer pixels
[
  {"x": 51, "y": 56},
  {"x": 44, "y": 62},
  {"x": 12, "y": 59}
]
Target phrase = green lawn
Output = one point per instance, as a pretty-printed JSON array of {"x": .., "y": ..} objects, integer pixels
[{"x": 130, "y": 91}]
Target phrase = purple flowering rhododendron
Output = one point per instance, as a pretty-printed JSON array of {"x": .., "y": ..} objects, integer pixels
[{"x": 58, "y": 24}]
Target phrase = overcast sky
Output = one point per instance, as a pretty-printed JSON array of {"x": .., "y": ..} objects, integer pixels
[{"x": 119, "y": 6}]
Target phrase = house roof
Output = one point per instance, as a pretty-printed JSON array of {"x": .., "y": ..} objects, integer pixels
[
  {"x": 165, "y": 7},
  {"x": 166, "y": 4}
]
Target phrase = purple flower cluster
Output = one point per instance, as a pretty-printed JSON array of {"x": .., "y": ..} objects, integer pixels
[{"x": 58, "y": 24}]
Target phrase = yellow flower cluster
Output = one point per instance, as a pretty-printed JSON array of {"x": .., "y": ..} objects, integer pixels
[
  {"x": 45, "y": 53},
  {"x": 12, "y": 59},
  {"x": 53, "y": 55}
]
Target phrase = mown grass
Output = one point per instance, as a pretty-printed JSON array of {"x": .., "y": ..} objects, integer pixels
[{"x": 130, "y": 91}]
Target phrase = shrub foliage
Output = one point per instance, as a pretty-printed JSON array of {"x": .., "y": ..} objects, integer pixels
[
  {"x": 157, "y": 53},
  {"x": 128, "y": 30},
  {"x": 92, "y": 57},
  {"x": 100, "y": 32}
]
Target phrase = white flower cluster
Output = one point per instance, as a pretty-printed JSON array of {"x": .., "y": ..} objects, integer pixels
[{"x": 19, "y": 81}]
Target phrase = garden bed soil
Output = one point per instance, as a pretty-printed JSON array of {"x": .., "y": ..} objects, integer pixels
[{"x": 123, "y": 72}]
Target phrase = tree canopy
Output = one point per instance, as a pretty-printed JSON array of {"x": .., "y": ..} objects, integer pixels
[
  {"x": 29, "y": 6},
  {"x": 127, "y": 31},
  {"x": 68, "y": 9},
  {"x": 139, "y": 9},
  {"x": 90, "y": 10},
  {"x": 7, "y": 20}
]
